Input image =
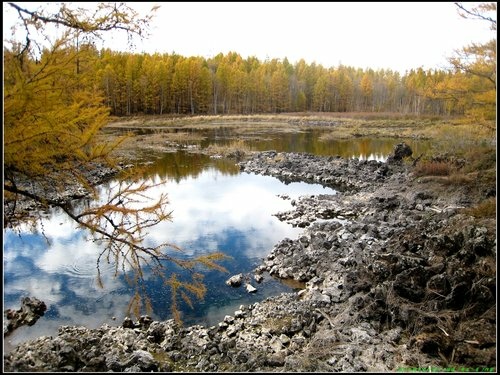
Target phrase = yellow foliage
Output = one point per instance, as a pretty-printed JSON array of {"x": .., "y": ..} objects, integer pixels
[
  {"x": 49, "y": 120},
  {"x": 53, "y": 110},
  {"x": 209, "y": 261}
]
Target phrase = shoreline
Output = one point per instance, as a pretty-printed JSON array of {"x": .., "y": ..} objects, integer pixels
[{"x": 387, "y": 264}]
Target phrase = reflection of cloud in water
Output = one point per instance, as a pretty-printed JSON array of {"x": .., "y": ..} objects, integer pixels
[
  {"x": 41, "y": 286},
  {"x": 205, "y": 207},
  {"x": 211, "y": 212},
  {"x": 73, "y": 315},
  {"x": 77, "y": 257},
  {"x": 372, "y": 156},
  {"x": 102, "y": 310}
]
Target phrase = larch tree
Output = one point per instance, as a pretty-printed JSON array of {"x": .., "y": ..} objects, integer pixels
[
  {"x": 367, "y": 91},
  {"x": 53, "y": 112},
  {"x": 477, "y": 63}
]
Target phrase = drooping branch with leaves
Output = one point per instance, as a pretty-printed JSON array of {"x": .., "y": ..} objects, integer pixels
[
  {"x": 476, "y": 65},
  {"x": 53, "y": 111},
  {"x": 53, "y": 107}
]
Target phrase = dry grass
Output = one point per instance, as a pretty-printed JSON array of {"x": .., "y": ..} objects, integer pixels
[
  {"x": 344, "y": 122},
  {"x": 199, "y": 122},
  {"x": 432, "y": 168},
  {"x": 449, "y": 133},
  {"x": 235, "y": 149},
  {"x": 480, "y": 158},
  {"x": 457, "y": 137},
  {"x": 183, "y": 137},
  {"x": 460, "y": 179},
  {"x": 485, "y": 209}
]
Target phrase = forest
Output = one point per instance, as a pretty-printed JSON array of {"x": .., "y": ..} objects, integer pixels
[{"x": 139, "y": 84}]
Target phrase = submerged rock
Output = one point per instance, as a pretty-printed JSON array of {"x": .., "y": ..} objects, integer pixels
[{"x": 250, "y": 288}]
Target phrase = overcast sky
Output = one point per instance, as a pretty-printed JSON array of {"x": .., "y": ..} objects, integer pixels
[{"x": 397, "y": 36}]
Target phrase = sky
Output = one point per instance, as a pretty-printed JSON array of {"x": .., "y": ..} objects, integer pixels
[{"x": 397, "y": 36}]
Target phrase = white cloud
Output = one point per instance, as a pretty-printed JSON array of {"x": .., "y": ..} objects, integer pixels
[{"x": 43, "y": 287}]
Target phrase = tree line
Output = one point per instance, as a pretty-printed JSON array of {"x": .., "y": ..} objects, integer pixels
[
  {"x": 157, "y": 84},
  {"x": 229, "y": 84}
]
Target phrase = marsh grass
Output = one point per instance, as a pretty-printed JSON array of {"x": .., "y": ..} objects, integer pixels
[
  {"x": 458, "y": 137},
  {"x": 236, "y": 148},
  {"x": 182, "y": 137},
  {"x": 480, "y": 158},
  {"x": 200, "y": 122},
  {"x": 450, "y": 134}
]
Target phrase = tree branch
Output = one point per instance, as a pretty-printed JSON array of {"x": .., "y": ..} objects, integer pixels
[{"x": 474, "y": 13}]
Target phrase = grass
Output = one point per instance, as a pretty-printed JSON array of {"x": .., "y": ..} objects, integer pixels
[
  {"x": 278, "y": 325},
  {"x": 450, "y": 133},
  {"x": 485, "y": 209},
  {"x": 234, "y": 149},
  {"x": 199, "y": 122},
  {"x": 377, "y": 120},
  {"x": 432, "y": 168},
  {"x": 460, "y": 159},
  {"x": 451, "y": 137}
]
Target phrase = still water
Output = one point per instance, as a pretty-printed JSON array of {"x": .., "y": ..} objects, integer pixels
[
  {"x": 212, "y": 210},
  {"x": 215, "y": 207},
  {"x": 301, "y": 140}
]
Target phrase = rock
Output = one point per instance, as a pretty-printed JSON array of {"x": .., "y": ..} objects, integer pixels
[
  {"x": 250, "y": 288},
  {"x": 142, "y": 360},
  {"x": 258, "y": 278},
  {"x": 31, "y": 310},
  {"x": 401, "y": 150},
  {"x": 127, "y": 323},
  {"x": 239, "y": 314},
  {"x": 235, "y": 281},
  {"x": 145, "y": 321}
]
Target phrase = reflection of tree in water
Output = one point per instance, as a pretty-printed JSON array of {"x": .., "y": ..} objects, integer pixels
[
  {"x": 182, "y": 164},
  {"x": 119, "y": 223}
]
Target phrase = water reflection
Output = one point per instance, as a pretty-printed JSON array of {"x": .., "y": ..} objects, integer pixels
[
  {"x": 300, "y": 140},
  {"x": 213, "y": 210},
  {"x": 181, "y": 164}
]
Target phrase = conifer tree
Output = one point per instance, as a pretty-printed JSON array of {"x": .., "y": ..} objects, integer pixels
[{"x": 53, "y": 112}]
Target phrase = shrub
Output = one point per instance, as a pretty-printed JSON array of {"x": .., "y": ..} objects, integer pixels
[{"x": 234, "y": 149}]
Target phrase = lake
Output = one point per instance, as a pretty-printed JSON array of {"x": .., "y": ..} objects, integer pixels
[{"x": 215, "y": 207}]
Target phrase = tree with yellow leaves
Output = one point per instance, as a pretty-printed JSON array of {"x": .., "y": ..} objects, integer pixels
[
  {"x": 53, "y": 110},
  {"x": 476, "y": 66}
]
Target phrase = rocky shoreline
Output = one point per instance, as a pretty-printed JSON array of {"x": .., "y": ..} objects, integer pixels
[{"x": 396, "y": 276}]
